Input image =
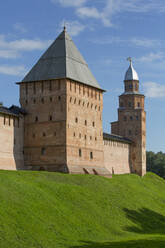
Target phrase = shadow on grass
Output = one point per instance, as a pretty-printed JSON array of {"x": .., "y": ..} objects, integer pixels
[
  {"x": 124, "y": 244},
  {"x": 146, "y": 220}
]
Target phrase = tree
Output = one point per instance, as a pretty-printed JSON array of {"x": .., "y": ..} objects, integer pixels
[{"x": 156, "y": 163}]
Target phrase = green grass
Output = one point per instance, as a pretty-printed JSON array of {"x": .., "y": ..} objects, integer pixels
[{"x": 52, "y": 210}]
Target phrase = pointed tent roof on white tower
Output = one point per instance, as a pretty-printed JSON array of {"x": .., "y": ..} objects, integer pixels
[
  {"x": 131, "y": 74},
  {"x": 62, "y": 60}
]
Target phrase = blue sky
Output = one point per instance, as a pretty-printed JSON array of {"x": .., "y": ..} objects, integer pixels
[{"x": 106, "y": 32}]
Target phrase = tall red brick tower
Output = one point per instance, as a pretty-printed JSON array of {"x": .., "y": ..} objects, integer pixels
[
  {"x": 132, "y": 120},
  {"x": 63, "y": 101}
]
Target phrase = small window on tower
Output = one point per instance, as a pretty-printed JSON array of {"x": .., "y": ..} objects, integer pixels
[
  {"x": 42, "y": 100},
  {"x": 43, "y": 151},
  {"x": 34, "y": 88},
  {"x": 36, "y": 119},
  {"x": 91, "y": 155},
  {"x": 50, "y": 86},
  {"x": 138, "y": 104},
  {"x": 137, "y": 117},
  {"x": 42, "y": 87},
  {"x": 93, "y": 123},
  {"x": 85, "y": 122},
  {"x": 130, "y": 86},
  {"x": 26, "y": 89},
  {"x": 59, "y": 98},
  {"x": 59, "y": 85},
  {"x": 121, "y": 104},
  {"x": 131, "y": 118},
  {"x": 129, "y": 104},
  {"x": 80, "y": 153},
  {"x": 50, "y": 99},
  {"x": 129, "y": 132},
  {"x": 50, "y": 118}
]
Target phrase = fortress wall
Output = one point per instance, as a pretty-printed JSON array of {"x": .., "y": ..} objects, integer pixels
[
  {"x": 11, "y": 145},
  {"x": 116, "y": 157}
]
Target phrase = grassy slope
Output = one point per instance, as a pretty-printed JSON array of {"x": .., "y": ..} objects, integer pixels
[{"x": 47, "y": 210}]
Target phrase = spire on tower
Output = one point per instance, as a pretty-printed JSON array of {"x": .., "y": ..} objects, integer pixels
[
  {"x": 64, "y": 26},
  {"x": 130, "y": 60},
  {"x": 131, "y": 74}
]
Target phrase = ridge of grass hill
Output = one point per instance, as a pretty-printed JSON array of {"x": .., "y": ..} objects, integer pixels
[{"x": 53, "y": 210}]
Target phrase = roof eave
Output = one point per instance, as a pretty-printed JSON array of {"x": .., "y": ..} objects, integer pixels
[{"x": 18, "y": 83}]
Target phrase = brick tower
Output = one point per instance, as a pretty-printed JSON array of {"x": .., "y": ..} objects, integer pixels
[
  {"x": 63, "y": 126},
  {"x": 132, "y": 120}
]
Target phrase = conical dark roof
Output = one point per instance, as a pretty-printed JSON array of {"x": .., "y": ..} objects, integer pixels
[{"x": 62, "y": 60}]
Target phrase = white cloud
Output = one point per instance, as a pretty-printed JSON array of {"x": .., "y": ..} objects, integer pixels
[
  {"x": 111, "y": 8},
  {"x": 151, "y": 57},
  {"x": 19, "y": 27},
  {"x": 154, "y": 90},
  {"x": 12, "y": 49},
  {"x": 28, "y": 45},
  {"x": 8, "y": 54},
  {"x": 70, "y": 3},
  {"x": 23, "y": 44},
  {"x": 19, "y": 70},
  {"x": 142, "y": 42},
  {"x": 88, "y": 12},
  {"x": 92, "y": 12},
  {"x": 74, "y": 28}
]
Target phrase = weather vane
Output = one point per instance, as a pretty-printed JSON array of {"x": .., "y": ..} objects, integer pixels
[
  {"x": 129, "y": 59},
  {"x": 65, "y": 24}
]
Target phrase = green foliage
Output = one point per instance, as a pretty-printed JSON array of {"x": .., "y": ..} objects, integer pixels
[
  {"x": 156, "y": 163},
  {"x": 52, "y": 210}
]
